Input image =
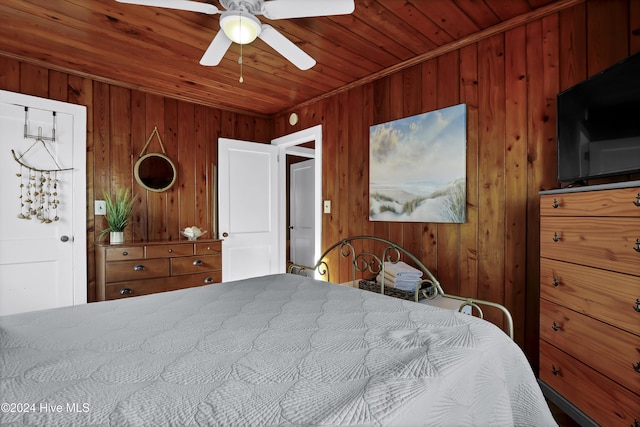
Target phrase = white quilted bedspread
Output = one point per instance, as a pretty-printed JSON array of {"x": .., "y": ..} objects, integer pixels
[{"x": 276, "y": 350}]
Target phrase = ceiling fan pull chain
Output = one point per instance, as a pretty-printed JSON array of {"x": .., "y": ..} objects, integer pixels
[
  {"x": 240, "y": 59},
  {"x": 240, "y": 62}
]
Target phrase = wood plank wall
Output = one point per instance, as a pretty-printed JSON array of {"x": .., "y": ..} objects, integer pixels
[
  {"x": 119, "y": 122},
  {"x": 509, "y": 82}
]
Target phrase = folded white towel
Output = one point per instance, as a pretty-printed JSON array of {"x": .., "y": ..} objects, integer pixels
[
  {"x": 401, "y": 269},
  {"x": 405, "y": 279},
  {"x": 406, "y": 284}
]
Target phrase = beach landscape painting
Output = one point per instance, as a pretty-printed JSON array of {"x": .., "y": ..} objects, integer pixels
[{"x": 417, "y": 168}]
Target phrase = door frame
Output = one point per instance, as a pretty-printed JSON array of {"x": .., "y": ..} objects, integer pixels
[{"x": 288, "y": 144}]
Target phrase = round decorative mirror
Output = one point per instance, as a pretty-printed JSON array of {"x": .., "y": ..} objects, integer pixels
[{"x": 155, "y": 172}]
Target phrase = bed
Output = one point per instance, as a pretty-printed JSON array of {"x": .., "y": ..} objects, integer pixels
[{"x": 284, "y": 349}]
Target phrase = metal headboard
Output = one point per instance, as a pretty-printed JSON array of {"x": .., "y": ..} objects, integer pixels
[{"x": 368, "y": 262}]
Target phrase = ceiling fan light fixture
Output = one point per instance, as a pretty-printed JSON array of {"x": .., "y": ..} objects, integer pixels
[{"x": 239, "y": 27}]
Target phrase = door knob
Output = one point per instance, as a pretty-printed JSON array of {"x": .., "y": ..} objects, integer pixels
[
  {"x": 64, "y": 238},
  {"x": 225, "y": 234}
]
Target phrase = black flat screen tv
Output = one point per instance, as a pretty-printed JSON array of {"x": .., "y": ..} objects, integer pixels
[{"x": 598, "y": 124}]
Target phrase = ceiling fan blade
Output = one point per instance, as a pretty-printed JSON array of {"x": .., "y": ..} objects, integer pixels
[
  {"x": 216, "y": 50},
  {"x": 192, "y": 6},
  {"x": 284, "y": 9},
  {"x": 286, "y": 47}
]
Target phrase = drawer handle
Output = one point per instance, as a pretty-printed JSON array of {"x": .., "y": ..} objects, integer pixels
[
  {"x": 636, "y": 367},
  {"x": 556, "y": 237},
  {"x": 125, "y": 253},
  {"x": 556, "y": 282},
  {"x": 208, "y": 280},
  {"x": 556, "y": 205},
  {"x": 637, "y": 306},
  {"x": 208, "y": 248},
  {"x": 555, "y": 326},
  {"x": 637, "y": 247},
  {"x": 197, "y": 262},
  {"x": 170, "y": 251},
  {"x": 125, "y": 291},
  {"x": 138, "y": 267},
  {"x": 554, "y": 370},
  {"x": 637, "y": 201}
]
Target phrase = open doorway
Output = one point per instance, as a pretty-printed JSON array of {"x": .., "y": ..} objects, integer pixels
[
  {"x": 300, "y": 207},
  {"x": 297, "y": 148}
]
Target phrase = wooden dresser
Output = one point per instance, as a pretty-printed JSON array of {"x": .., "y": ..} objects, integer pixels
[
  {"x": 590, "y": 302},
  {"x": 133, "y": 269}
]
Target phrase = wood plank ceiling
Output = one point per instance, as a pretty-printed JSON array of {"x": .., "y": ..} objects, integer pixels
[{"x": 158, "y": 50}]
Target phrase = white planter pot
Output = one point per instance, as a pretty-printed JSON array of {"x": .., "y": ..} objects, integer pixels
[{"x": 116, "y": 237}]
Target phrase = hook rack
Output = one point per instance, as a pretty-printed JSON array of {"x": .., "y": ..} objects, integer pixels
[{"x": 38, "y": 139}]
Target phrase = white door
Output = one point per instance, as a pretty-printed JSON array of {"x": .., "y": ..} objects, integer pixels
[
  {"x": 301, "y": 212},
  {"x": 248, "y": 209},
  {"x": 42, "y": 265}
]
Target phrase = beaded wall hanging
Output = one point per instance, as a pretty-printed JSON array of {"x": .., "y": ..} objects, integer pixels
[{"x": 39, "y": 196}]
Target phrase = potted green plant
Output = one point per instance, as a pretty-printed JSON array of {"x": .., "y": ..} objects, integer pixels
[{"x": 119, "y": 210}]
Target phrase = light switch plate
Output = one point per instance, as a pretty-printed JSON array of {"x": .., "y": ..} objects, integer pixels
[
  {"x": 327, "y": 206},
  {"x": 100, "y": 207}
]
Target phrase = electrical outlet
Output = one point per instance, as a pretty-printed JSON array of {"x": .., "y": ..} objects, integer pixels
[
  {"x": 327, "y": 206},
  {"x": 100, "y": 207}
]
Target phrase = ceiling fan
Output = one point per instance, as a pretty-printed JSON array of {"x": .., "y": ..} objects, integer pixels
[{"x": 239, "y": 23}]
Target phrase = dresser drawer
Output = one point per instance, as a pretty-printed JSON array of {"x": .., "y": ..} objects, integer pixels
[
  {"x": 122, "y": 253},
  {"x": 206, "y": 248},
  {"x": 136, "y": 270},
  {"x": 598, "y": 242},
  {"x": 135, "y": 288},
  {"x": 168, "y": 250},
  {"x": 611, "y": 351},
  {"x": 618, "y": 202},
  {"x": 195, "y": 264},
  {"x": 601, "y": 294},
  {"x": 193, "y": 280},
  {"x": 606, "y": 402}
]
